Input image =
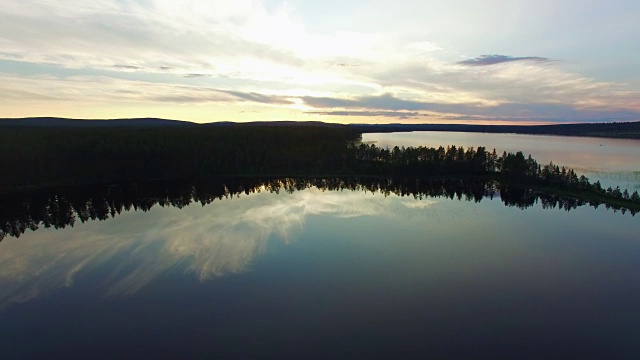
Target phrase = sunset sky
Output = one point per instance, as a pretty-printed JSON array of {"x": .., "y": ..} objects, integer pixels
[{"x": 454, "y": 61}]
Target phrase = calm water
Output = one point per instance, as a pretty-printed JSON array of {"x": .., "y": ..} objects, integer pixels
[
  {"x": 326, "y": 274},
  {"x": 613, "y": 162}
]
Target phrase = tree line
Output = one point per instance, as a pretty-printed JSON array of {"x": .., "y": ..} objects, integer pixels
[
  {"x": 509, "y": 168},
  {"x": 630, "y": 130},
  {"x": 43, "y": 157}
]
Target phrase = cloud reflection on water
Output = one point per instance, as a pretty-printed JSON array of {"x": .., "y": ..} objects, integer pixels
[{"x": 221, "y": 238}]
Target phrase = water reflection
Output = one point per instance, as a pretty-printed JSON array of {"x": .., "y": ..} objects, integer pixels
[
  {"x": 206, "y": 241},
  {"x": 184, "y": 235},
  {"x": 64, "y": 207},
  {"x": 315, "y": 273}
]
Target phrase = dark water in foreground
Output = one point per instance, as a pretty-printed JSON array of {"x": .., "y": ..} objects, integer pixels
[{"x": 327, "y": 274}]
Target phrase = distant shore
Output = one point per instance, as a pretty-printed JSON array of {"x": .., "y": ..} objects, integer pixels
[{"x": 624, "y": 130}]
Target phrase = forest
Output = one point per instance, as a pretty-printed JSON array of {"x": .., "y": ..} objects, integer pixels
[{"x": 39, "y": 159}]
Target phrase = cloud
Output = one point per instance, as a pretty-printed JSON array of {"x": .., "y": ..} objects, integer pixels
[
  {"x": 100, "y": 89},
  {"x": 345, "y": 65},
  {"x": 467, "y": 111},
  {"x": 512, "y": 82},
  {"x": 381, "y": 102},
  {"x": 126, "y": 67},
  {"x": 440, "y": 82},
  {"x": 194, "y": 36},
  {"x": 191, "y": 76},
  {"x": 486, "y": 60},
  {"x": 259, "y": 98},
  {"x": 205, "y": 95},
  {"x": 391, "y": 114},
  {"x": 387, "y": 102}
]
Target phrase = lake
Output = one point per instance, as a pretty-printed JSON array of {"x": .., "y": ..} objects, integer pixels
[
  {"x": 324, "y": 269},
  {"x": 613, "y": 162}
]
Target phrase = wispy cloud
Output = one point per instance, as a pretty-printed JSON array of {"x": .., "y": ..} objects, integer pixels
[
  {"x": 259, "y": 98},
  {"x": 386, "y": 102},
  {"x": 466, "y": 111},
  {"x": 517, "y": 81},
  {"x": 390, "y": 114},
  {"x": 486, "y": 60},
  {"x": 191, "y": 76},
  {"x": 195, "y": 35},
  {"x": 126, "y": 67},
  {"x": 100, "y": 89}
]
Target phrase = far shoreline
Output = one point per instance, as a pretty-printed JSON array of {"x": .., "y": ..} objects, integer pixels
[{"x": 615, "y": 130}]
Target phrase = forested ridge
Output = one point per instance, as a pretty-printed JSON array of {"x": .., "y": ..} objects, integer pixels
[
  {"x": 38, "y": 156},
  {"x": 629, "y": 130}
]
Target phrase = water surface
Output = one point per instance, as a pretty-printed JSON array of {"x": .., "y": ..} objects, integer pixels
[{"x": 317, "y": 273}]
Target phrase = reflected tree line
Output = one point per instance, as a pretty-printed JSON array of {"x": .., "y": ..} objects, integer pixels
[{"x": 65, "y": 207}]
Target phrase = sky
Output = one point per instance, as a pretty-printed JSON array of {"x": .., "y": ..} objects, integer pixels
[{"x": 377, "y": 61}]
